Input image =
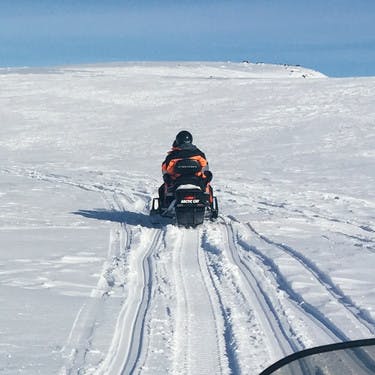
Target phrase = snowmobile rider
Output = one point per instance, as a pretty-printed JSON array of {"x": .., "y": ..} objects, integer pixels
[{"x": 183, "y": 148}]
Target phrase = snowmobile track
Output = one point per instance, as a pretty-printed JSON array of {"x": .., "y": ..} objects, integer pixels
[
  {"x": 79, "y": 342},
  {"x": 139, "y": 325},
  {"x": 311, "y": 314},
  {"x": 127, "y": 341},
  {"x": 324, "y": 280},
  {"x": 280, "y": 332},
  {"x": 192, "y": 354},
  {"x": 333, "y": 328},
  {"x": 244, "y": 305}
]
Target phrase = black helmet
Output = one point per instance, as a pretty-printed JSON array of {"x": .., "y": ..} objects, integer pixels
[{"x": 183, "y": 137}]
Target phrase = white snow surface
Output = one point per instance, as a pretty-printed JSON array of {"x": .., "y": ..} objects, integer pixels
[{"x": 89, "y": 285}]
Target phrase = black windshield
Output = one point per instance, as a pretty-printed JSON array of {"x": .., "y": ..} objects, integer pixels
[{"x": 349, "y": 358}]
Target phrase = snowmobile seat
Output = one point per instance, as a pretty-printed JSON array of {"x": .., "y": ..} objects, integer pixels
[
  {"x": 187, "y": 170},
  {"x": 187, "y": 167}
]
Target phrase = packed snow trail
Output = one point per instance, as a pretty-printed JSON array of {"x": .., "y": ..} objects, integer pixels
[
  {"x": 127, "y": 340},
  {"x": 201, "y": 296},
  {"x": 189, "y": 323},
  {"x": 219, "y": 271},
  {"x": 290, "y": 268},
  {"x": 336, "y": 314},
  {"x": 199, "y": 344}
]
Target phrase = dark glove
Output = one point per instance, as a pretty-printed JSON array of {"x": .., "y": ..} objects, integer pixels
[
  {"x": 208, "y": 175},
  {"x": 167, "y": 178}
]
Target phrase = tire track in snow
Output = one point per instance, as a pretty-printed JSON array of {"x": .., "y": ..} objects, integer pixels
[
  {"x": 250, "y": 320},
  {"x": 155, "y": 357},
  {"x": 300, "y": 332},
  {"x": 357, "y": 313},
  {"x": 332, "y": 299},
  {"x": 125, "y": 350},
  {"x": 277, "y": 329},
  {"x": 127, "y": 341},
  {"x": 130, "y": 249},
  {"x": 229, "y": 337},
  {"x": 219, "y": 319},
  {"x": 198, "y": 336},
  {"x": 131, "y": 194},
  {"x": 307, "y": 212},
  {"x": 79, "y": 341},
  {"x": 139, "y": 327}
]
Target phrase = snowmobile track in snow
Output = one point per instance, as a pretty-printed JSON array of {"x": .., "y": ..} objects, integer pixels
[
  {"x": 79, "y": 342},
  {"x": 127, "y": 340},
  {"x": 277, "y": 326},
  {"x": 352, "y": 314},
  {"x": 194, "y": 293},
  {"x": 244, "y": 305},
  {"x": 251, "y": 280},
  {"x": 325, "y": 281}
]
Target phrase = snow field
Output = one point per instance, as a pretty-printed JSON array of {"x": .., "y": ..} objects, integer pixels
[{"x": 88, "y": 284}]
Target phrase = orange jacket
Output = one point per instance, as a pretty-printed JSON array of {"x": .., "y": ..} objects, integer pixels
[{"x": 186, "y": 151}]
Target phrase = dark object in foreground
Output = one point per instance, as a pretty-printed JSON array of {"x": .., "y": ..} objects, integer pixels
[{"x": 345, "y": 358}]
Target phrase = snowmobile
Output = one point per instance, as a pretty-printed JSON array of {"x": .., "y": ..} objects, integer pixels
[{"x": 189, "y": 203}]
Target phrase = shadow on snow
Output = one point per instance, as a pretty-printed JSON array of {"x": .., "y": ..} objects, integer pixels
[{"x": 126, "y": 217}]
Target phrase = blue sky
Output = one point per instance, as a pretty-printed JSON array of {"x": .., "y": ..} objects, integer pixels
[{"x": 336, "y": 37}]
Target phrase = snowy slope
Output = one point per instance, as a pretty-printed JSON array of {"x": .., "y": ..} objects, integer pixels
[{"x": 88, "y": 285}]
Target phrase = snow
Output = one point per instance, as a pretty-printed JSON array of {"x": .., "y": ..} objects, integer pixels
[{"x": 89, "y": 285}]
